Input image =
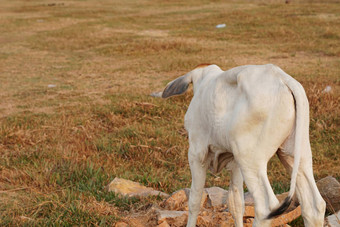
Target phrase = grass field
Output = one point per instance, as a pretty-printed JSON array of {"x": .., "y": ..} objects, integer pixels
[{"x": 61, "y": 145}]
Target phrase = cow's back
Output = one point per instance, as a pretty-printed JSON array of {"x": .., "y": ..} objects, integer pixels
[{"x": 238, "y": 102}]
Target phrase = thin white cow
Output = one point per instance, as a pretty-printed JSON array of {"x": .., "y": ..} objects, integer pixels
[{"x": 239, "y": 119}]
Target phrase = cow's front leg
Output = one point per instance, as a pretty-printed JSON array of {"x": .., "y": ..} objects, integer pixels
[
  {"x": 235, "y": 195},
  {"x": 198, "y": 169}
]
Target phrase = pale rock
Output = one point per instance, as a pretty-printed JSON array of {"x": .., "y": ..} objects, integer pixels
[
  {"x": 329, "y": 189},
  {"x": 132, "y": 189},
  {"x": 163, "y": 214},
  {"x": 174, "y": 211},
  {"x": 179, "y": 200},
  {"x": 333, "y": 220},
  {"x": 173, "y": 218},
  {"x": 218, "y": 196}
]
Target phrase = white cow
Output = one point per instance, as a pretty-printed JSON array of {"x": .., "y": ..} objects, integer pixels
[{"x": 239, "y": 119}]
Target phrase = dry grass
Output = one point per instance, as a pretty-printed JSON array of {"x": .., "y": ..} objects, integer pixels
[{"x": 60, "y": 146}]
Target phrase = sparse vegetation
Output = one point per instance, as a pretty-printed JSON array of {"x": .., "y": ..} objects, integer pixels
[{"x": 60, "y": 146}]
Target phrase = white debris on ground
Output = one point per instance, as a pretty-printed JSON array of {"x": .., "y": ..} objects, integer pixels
[{"x": 221, "y": 26}]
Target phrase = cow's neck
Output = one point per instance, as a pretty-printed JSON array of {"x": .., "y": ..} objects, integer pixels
[{"x": 200, "y": 73}]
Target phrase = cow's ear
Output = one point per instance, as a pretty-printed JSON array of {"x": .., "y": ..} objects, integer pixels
[{"x": 177, "y": 86}]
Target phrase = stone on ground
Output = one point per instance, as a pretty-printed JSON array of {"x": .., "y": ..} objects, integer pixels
[
  {"x": 333, "y": 220},
  {"x": 174, "y": 210},
  {"x": 213, "y": 209},
  {"x": 329, "y": 189},
  {"x": 172, "y": 218},
  {"x": 132, "y": 189},
  {"x": 179, "y": 200},
  {"x": 218, "y": 196}
]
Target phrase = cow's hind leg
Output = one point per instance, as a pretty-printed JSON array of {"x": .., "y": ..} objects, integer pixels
[
  {"x": 235, "y": 195},
  {"x": 312, "y": 205},
  {"x": 255, "y": 177}
]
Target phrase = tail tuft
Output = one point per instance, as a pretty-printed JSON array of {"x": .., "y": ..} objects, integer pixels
[{"x": 282, "y": 208}]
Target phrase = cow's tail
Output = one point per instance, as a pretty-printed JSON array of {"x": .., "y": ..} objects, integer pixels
[{"x": 301, "y": 119}]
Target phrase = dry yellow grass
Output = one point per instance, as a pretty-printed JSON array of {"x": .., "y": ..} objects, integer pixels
[{"x": 60, "y": 145}]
